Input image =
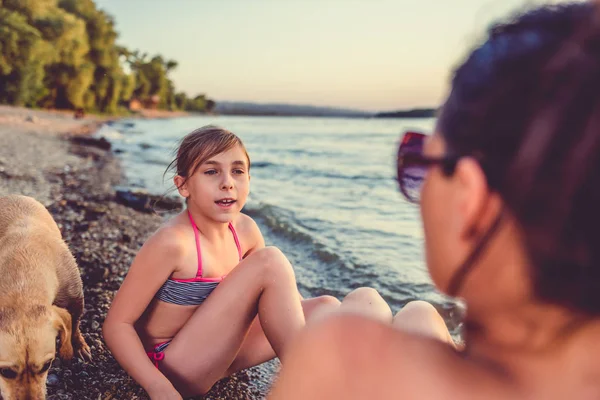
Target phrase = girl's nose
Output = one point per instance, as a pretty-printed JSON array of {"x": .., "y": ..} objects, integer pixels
[{"x": 227, "y": 182}]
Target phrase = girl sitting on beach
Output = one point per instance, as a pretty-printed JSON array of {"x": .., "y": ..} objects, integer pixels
[
  {"x": 509, "y": 201},
  {"x": 203, "y": 297}
]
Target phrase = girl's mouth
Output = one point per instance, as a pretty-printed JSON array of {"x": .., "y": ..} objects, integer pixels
[{"x": 225, "y": 203}]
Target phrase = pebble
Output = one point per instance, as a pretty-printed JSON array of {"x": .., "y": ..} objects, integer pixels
[{"x": 52, "y": 380}]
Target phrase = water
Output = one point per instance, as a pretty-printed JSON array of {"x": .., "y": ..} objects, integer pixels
[{"x": 323, "y": 190}]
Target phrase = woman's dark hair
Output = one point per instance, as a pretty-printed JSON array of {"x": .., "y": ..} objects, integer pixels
[{"x": 526, "y": 104}]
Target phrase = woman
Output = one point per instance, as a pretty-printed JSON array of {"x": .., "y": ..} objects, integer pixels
[{"x": 509, "y": 186}]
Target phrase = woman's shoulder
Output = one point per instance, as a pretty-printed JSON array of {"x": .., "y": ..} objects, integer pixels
[{"x": 365, "y": 358}]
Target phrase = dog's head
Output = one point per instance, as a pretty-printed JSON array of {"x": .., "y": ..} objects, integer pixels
[{"x": 27, "y": 349}]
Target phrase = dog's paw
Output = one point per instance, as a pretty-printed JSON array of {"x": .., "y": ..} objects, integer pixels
[
  {"x": 82, "y": 350},
  {"x": 85, "y": 353}
]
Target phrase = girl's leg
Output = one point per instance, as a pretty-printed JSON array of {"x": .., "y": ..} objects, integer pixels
[
  {"x": 256, "y": 349},
  {"x": 362, "y": 301},
  {"x": 207, "y": 345},
  {"x": 422, "y": 318}
]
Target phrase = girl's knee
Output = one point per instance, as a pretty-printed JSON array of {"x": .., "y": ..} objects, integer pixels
[
  {"x": 272, "y": 261},
  {"x": 318, "y": 307},
  {"x": 422, "y": 318},
  {"x": 268, "y": 254},
  {"x": 367, "y": 301},
  {"x": 327, "y": 301},
  {"x": 418, "y": 309}
]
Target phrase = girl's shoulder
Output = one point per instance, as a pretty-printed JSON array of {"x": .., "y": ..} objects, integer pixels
[
  {"x": 170, "y": 237},
  {"x": 248, "y": 233},
  {"x": 245, "y": 225}
]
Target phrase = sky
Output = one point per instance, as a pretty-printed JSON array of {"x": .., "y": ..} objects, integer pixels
[{"x": 374, "y": 55}]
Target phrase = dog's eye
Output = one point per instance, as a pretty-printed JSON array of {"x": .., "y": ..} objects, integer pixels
[
  {"x": 46, "y": 367},
  {"x": 8, "y": 373}
]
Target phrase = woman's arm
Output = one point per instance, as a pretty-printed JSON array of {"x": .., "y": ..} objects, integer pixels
[{"x": 152, "y": 266}]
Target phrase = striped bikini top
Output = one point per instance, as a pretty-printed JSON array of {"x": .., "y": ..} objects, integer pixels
[{"x": 192, "y": 292}]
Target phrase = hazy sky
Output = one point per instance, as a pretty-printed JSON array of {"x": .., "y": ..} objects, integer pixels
[{"x": 365, "y": 54}]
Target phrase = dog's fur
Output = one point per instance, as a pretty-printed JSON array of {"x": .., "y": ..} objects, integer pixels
[{"x": 41, "y": 297}]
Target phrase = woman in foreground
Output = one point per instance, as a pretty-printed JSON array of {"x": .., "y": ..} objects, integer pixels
[{"x": 509, "y": 200}]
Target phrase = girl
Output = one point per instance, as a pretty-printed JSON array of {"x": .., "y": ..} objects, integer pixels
[
  {"x": 509, "y": 205},
  {"x": 184, "y": 316}
]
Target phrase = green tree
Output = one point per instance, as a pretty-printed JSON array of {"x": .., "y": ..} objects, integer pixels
[
  {"x": 23, "y": 57},
  {"x": 63, "y": 53}
]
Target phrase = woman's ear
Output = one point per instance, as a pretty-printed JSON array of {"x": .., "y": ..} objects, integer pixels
[
  {"x": 181, "y": 185},
  {"x": 477, "y": 205}
]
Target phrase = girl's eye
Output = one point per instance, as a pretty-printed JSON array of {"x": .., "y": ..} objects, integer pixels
[
  {"x": 210, "y": 172},
  {"x": 238, "y": 171}
]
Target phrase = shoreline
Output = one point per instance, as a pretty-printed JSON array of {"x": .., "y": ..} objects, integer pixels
[{"x": 76, "y": 182}]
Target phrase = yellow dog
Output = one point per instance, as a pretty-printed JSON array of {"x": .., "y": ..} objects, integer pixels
[{"x": 41, "y": 297}]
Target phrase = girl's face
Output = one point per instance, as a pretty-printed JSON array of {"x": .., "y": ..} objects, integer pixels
[{"x": 220, "y": 186}]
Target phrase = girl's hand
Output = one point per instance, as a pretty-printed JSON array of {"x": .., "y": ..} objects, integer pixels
[{"x": 164, "y": 392}]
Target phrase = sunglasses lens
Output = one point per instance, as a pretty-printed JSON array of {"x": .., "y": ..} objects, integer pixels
[{"x": 411, "y": 172}]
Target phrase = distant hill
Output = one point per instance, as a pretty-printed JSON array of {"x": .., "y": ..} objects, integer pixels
[
  {"x": 280, "y": 109},
  {"x": 277, "y": 109},
  {"x": 415, "y": 113}
]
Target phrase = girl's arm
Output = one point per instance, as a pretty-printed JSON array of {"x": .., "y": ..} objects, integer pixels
[{"x": 151, "y": 267}]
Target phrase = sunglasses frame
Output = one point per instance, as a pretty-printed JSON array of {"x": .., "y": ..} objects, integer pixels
[{"x": 407, "y": 159}]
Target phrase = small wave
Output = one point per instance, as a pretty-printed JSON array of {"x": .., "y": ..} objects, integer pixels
[
  {"x": 310, "y": 153},
  {"x": 280, "y": 221},
  {"x": 262, "y": 164},
  {"x": 108, "y": 133},
  {"x": 284, "y": 224},
  {"x": 318, "y": 173}
]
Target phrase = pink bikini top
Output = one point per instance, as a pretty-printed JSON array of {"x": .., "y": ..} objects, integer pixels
[{"x": 195, "y": 290}]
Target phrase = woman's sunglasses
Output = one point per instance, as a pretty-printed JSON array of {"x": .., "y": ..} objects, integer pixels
[{"x": 413, "y": 165}]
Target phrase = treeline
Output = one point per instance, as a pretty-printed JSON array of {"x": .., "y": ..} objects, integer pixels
[{"x": 63, "y": 54}]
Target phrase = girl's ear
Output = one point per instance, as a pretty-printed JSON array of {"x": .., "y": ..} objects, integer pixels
[{"x": 181, "y": 185}]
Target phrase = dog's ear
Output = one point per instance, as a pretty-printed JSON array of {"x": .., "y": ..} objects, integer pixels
[{"x": 62, "y": 324}]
